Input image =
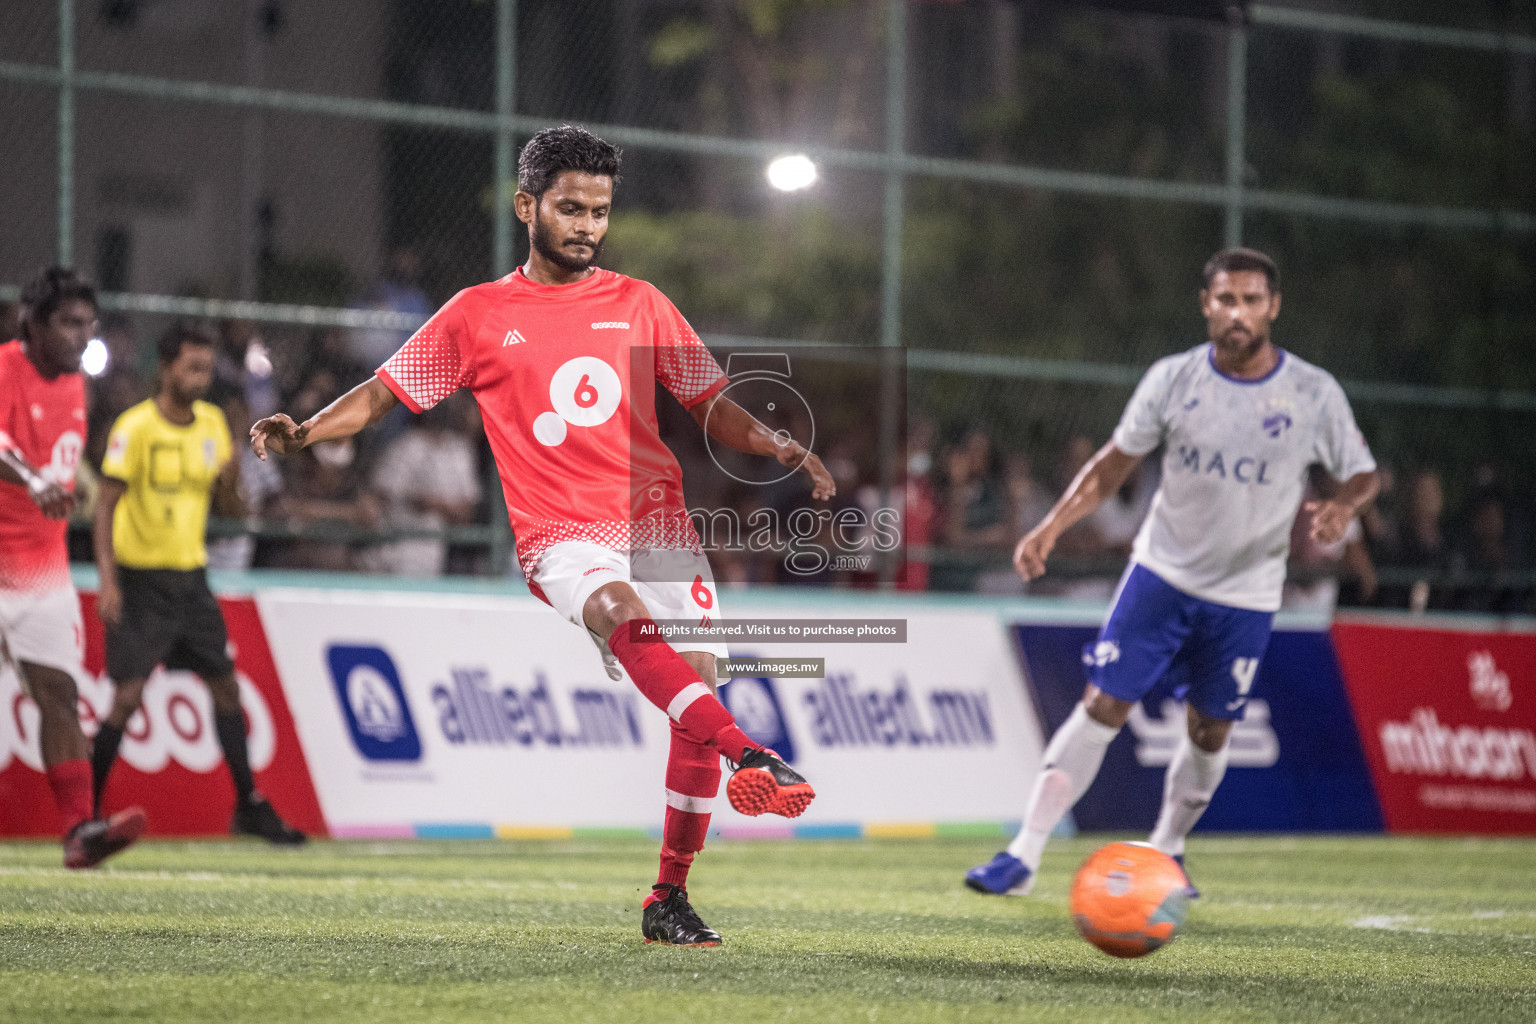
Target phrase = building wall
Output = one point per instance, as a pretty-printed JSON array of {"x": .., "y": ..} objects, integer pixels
[{"x": 169, "y": 194}]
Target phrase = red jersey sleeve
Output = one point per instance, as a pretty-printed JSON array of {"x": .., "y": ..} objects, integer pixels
[
  {"x": 683, "y": 365},
  {"x": 435, "y": 362}
]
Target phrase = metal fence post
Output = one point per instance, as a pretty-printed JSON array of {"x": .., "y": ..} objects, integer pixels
[
  {"x": 506, "y": 108},
  {"x": 1237, "y": 125},
  {"x": 890, "y": 263},
  {"x": 895, "y": 142},
  {"x": 66, "y": 197}
]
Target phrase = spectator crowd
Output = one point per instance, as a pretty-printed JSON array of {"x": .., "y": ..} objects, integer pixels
[
  {"x": 379, "y": 503},
  {"x": 388, "y": 501},
  {"x": 1410, "y": 549}
]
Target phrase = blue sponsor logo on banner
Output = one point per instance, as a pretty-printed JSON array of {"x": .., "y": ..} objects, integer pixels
[
  {"x": 846, "y": 713},
  {"x": 473, "y": 709},
  {"x": 1296, "y": 759},
  {"x": 841, "y": 711},
  {"x": 754, "y": 703},
  {"x": 373, "y": 702}
]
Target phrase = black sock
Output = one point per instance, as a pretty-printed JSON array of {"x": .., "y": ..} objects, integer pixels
[
  {"x": 103, "y": 753},
  {"x": 231, "y": 729}
]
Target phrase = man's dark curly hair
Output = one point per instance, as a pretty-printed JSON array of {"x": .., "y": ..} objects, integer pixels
[
  {"x": 1236, "y": 261},
  {"x": 49, "y": 289},
  {"x": 177, "y": 337},
  {"x": 566, "y": 148}
]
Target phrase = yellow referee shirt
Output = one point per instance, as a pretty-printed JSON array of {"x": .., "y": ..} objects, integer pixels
[{"x": 169, "y": 470}]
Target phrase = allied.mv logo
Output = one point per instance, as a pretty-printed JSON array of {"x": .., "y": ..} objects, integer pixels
[
  {"x": 755, "y": 706},
  {"x": 373, "y": 702}
]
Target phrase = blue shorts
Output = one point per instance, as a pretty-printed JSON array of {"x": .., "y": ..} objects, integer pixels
[{"x": 1155, "y": 630}]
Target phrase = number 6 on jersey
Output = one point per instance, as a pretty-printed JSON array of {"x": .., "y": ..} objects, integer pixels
[{"x": 585, "y": 392}]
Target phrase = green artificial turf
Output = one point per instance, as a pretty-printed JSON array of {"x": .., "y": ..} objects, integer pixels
[{"x": 1290, "y": 929}]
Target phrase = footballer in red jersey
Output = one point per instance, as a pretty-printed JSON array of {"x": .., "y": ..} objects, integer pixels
[
  {"x": 563, "y": 357},
  {"x": 42, "y": 433}
]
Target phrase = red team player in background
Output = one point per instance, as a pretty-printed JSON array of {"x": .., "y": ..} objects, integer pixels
[
  {"x": 562, "y": 357},
  {"x": 42, "y": 433}
]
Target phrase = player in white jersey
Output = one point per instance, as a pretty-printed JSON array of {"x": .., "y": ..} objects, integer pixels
[{"x": 1240, "y": 421}]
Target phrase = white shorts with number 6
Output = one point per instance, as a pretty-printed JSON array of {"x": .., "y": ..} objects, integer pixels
[{"x": 674, "y": 584}]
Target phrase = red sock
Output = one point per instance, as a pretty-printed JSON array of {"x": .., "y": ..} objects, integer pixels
[
  {"x": 693, "y": 780},
  {"x": 71, "y": 785},
  {"x": 671, "y": 684}
]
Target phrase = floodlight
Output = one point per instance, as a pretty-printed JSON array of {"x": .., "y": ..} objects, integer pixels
[
  {"x": 95, "y": 357},
  {"x": 792, "y": 172}
]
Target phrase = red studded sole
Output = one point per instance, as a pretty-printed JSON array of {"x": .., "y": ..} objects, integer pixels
[
  {"x": 123, "y": 829},
  {"x": 793, "y": 800},
  {"x": 685, "y": 945},
  {"x": 753, "y": 791}
]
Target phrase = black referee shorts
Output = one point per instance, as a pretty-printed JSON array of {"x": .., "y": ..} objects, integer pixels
[{"x": 170, "y": 618}]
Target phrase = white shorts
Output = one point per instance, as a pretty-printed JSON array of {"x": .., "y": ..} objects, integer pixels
[
  {"x": 570, "y": 572},
  {"x": 42, "y": 627}
]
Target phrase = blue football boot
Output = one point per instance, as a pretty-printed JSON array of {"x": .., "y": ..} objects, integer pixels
[
  {"x": 1003, "y": 875},
  {"x": 1189, "y": 887}
]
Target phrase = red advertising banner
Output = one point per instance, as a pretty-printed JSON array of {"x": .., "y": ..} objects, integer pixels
[
  {"x": 170, "y": 762},
  {"x": 1448, "y": 719}
]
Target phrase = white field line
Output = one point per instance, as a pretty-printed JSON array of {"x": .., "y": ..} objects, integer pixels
[{"x": 249, "y": 879}]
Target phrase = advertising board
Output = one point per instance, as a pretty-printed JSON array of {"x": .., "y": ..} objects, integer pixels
[
  {"x": 1448, "y": 715},
  {"x": 437, "y": 714},
  {"x": 169, "y": 762},
  {"x": 1296, "y": 761}
]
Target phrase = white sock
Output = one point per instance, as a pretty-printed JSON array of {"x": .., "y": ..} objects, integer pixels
[
  {"x": 1192, "y": 778},
  {"x": 1071, "y": 761}
]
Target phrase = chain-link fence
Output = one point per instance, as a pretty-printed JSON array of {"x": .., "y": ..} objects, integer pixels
[{"x": 1018, "y": 194}]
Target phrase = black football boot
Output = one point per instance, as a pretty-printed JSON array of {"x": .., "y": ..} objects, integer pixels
[
  {"x": 763, "y": 784},
  {"x": 257, "y": 817},
  {"x": 670, "y": 919}
]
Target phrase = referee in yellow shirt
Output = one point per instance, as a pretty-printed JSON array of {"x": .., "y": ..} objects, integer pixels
[{"x": 166, "y": 457}]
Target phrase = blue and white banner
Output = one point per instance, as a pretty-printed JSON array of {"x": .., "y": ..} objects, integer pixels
[
  {"x": 938, "y": 729},
  {"x": 1296, "y": 763},
  {"x": 438, "y": 714},
  {"x": 458, "y": 713}
]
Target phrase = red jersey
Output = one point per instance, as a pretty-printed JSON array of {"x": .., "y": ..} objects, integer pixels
[
  {"x": 44, "y": 420},
  {"x": 565, "y": 378}
]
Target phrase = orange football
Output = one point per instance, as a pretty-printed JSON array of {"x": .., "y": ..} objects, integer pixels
[{"x": 1128, "y": 899}]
